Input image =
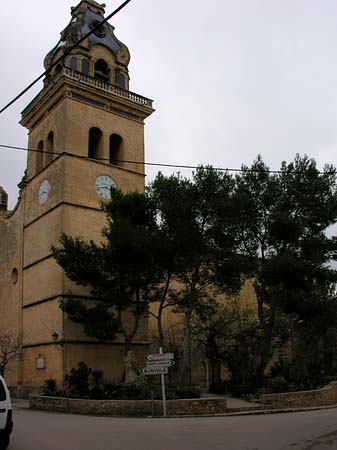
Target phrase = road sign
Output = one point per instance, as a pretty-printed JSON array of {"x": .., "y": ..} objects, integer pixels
[
  {"x": 164, "y": 363},
  {"x": 154, "y": 371},
  {"x": 160, "y": 356}
]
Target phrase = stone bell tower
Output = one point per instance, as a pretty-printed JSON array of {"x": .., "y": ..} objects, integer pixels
[{"x": 85, "y": 129}]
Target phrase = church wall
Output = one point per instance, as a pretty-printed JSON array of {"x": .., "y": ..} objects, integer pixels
[
  {"x": 42, "y": 281},
  {"x": 41, "y": 321},
  {"x": 53, "y": 366},
  {"x": 106, "y": 357},
  {"x": 53, "y": 121},
  {"x": 54, "y": 174},
  {"x": 79, "y": 184},
  {"x": 131, "y": 131},
  {"x": 41, "y": 235},
  {"x": 11, "y": 281}
]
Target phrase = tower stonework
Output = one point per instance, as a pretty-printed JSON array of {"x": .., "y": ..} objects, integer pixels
[{"x": 85, "y": 128}]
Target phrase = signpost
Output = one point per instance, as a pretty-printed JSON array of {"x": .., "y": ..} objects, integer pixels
[
  {"x": 158, "y": 364},
  {"x": 160, "y": 356},
  {"x": 168, "y": 363},
  {"x": 154, "y": 370}
]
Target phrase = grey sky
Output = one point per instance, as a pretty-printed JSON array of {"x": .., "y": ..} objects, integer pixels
[{"x": 230, "y": 78}]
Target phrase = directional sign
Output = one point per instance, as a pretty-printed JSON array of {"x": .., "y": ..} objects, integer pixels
[
  {"x": 163, "y": 363},
  {"x": 160, "y": 356},
  {"x": 154, "y": 371}
]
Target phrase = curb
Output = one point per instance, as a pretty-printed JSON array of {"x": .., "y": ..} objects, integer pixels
[
  {"x": 20, "y": 404},
  {"x": 256, "y": 412}
]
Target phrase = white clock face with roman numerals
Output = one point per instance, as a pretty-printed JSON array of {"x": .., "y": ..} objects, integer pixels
[{"x": 103, "y": 184}]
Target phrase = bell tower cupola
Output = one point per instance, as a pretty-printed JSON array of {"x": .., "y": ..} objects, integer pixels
[{"x": 112, "y": 67}]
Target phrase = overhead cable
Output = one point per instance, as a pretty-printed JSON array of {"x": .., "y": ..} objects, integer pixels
[
  {"x": 157, "y": 164},
  {"x": 66, "y": 53}
]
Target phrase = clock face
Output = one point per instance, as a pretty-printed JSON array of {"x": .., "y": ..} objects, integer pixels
[
  {"x": 43, "y": 191},
  {"x": 103, "y": 184}
]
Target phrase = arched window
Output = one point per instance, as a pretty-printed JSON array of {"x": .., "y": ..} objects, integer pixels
[
  {"x": 115, "y": 150},
  {"x": 101, "y": 71},
  {"x": 39, "y": 157},
  {"x": 49, "y": 148},
  {"x": 120, "y": 80},
  {"x": 73, "y": 63},
  {"x": 95, "y": 143},
  {"x": 85, "y": 66}
]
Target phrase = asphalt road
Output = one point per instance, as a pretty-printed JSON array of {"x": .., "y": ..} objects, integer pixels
[{"x": 314, "y": 430}]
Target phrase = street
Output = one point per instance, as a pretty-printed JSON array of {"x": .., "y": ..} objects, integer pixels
[{"x": 312, "y": 430}]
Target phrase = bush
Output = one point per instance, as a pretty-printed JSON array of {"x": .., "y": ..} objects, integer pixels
[
  {"x": 276, "y": 385},
  {"x": 188, "y": 392},
  {"x": 219, "y": 388},
  {"x": 85, "y": 382},
  {"x": 230, "y": 387},
  {"x": 50, "y": 388}
]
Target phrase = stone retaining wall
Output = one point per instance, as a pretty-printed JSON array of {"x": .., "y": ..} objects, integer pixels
[
  {"x": 303, "y": 399},
  {"x": 131, "y": 408}
]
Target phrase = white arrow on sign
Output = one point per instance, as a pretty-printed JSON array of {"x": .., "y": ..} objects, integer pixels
[
  {"x": 154, "y": 371},
  {"x": 163, "y": 363},
  {"x": 160, "y": 356}
]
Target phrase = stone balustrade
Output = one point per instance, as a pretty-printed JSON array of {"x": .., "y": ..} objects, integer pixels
[{"x": 89, "y": 81}]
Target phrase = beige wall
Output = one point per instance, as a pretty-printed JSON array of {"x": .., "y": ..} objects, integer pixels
[
  {"x": 11, "y": 286},
  {"x": 71, "y": 119},
  {"x": 34, "y": 377}
]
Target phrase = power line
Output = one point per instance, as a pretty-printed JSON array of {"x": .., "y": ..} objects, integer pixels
[
  {"x": 174, "y": 166},
  {"x": 66, "y": 53}
]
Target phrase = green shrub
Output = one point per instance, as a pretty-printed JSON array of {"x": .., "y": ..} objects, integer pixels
[
  {"x": 85, "y": 382},
  {"x": 276, "y": 385},
  {"x": 188, "y": 392},
  {"x": 50, "y": 388},
  {"x": 230, "y": 387}
]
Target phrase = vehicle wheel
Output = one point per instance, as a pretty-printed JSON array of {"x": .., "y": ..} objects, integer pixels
[{"x": 4, "y": 441}]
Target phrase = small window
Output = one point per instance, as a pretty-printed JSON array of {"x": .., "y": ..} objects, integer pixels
[
  {"x": 14, "y": 275},
  {"x": 115, "y": 153},
  {"x": 102, "y": 70},
  {"x": 39, "y": 157},
  {"x": 85, "y": 66},
  {"x": 73, "y": 63},
  {"x": 120, "y": 79},
  {"x": 49, "y": 148},
  {"x": 95, "y": 143}
]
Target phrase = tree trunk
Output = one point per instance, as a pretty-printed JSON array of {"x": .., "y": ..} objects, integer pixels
[
  {"x": 160, "y": 312},
  {"x": 186, "y": 376}
]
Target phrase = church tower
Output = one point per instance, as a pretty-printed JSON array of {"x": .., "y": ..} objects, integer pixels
[{"x": 86, "y": 134}]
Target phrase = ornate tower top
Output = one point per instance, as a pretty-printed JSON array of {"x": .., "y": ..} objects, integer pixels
[{"x": 85, "y": 16}]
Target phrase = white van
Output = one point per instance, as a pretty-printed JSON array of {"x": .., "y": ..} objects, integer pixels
[{"x": 6, "y": 421}]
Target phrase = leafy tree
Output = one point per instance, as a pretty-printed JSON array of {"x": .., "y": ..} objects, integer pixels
[
  {"x": 121, "y": 272},
  {"x": 189, "y": 214},
  {"x": 282, "y": 220}
]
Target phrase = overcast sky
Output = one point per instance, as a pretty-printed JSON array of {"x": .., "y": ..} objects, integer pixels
[{"x": 229, "y": 78}]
